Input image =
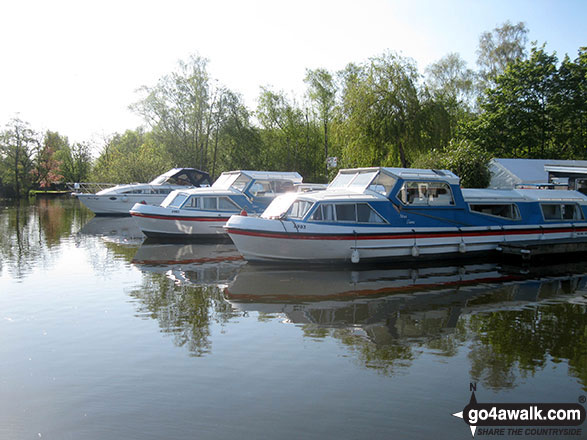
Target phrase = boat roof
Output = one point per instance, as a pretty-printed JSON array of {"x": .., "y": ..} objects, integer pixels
[
  {"x": 269, "y": 175},
  {"x": 409, "y": 173},
  {"x": 521, "y": 195},
  {"x": 196, "y": 177},
  {"x": 341, "y": 196}
]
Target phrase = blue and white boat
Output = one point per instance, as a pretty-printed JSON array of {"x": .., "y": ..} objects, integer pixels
[
  {"x": 385, "y": 213},
  {"x": 201, "y": 212}
]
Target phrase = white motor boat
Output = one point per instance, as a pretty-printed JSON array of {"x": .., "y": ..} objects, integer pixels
[
  {"x": 202, "y": 212},
  {"x": 119, "y": 199}
]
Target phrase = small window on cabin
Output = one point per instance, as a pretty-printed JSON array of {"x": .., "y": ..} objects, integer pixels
[
  {"x": 346, "y": 212},
  {"x": 226, "y": 204},
  {"x": 324, "y": 212},
  {"x": 192, "y": 203},
  {"x": 366, "y": 214},
  {"x": 561, "y": 211},
  {"x": 262, "y": 188},
  {"x": 299, "y": 208},
  {"x": 505, "y": 210},
  {"x": 283, "y": 186},
  {"x": 426, "y": 193},
  {"x": 178, "y": 201},
  {"x": 208, "y": 203},
  {"x": 241, "y": 182},
  {"x": 383, "y": 184}
]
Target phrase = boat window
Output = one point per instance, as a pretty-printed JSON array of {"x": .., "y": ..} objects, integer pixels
[
  {"x": 262, "y": 188},
  {"x": 324, "y": 212},
  {"x": 504, "y": 210},
  {"x": 383, "y": 184},
  {"x": 362, "y": 180},
  {"x": 241, "y": 182},
  {"x": 226, "y": 204},
  {"x": 561, "y": 211},
  {"x": 209, "y": 203},
  {"x": 193, "y": 203},
  {"x": 341, "y": 181},
  {"x": 180, "y": 179},
  {"x": 366, "y": 214},
  {"x": 426, "y": 193},
  {"x": 224, "y": 181},
  {"x": 283, "y": 186},
  {"x": 279, "y": 206},
  {"x": 178, "y": 201},
  {"x": 299, "y": 208},
  {"x": 346, "y": 212}
]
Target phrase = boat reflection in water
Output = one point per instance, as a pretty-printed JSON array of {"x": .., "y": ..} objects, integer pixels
[
  {"x": 398, "y": 304},
  {"x": 118, "y": 230},
  {"x": 202, "y": 263}
]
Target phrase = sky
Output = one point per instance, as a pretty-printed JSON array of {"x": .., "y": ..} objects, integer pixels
[{"x": 75, "y": 66}]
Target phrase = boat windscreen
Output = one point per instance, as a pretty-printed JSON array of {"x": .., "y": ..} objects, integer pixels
[
  {"x": 353, "y": 180},
  {"x": 279, "y": 206},
  {"x": 224, "y": 181}
]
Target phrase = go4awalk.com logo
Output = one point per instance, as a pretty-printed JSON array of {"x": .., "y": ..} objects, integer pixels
[{"x": 511, "y": 419}]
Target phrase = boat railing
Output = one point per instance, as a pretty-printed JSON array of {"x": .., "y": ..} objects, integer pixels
[{"x": 88, "y": 187}]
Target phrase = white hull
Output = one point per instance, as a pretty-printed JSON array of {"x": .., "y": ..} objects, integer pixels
[
  {"x": 117, "y": 204},
  {"x": 156, "y": 221},
  {"x": 260, "y": 239}
]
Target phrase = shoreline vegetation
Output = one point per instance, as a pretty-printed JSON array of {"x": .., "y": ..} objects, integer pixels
[{"x": 521, "y": 102}]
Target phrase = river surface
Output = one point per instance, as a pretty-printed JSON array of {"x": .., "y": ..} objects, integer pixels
[{"x": 106, "y": 336}]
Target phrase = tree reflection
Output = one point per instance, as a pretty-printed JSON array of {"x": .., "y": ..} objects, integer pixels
[
  {"x": 186, "y": 312},
  {"x": 30, "y": 230},
  {"x": 528, "y": 339}
]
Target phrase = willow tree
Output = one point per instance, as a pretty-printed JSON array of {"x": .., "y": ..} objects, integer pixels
[
  {"x": 380, "y": 112},
  {"x": 178, "y": 109},
  {"x": 289, "y": 135}
]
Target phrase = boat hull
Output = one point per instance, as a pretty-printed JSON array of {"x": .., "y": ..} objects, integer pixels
[
  {"x": 261, "y": 239},
  {"x": 160, "y": 222},
  {"x": 117, "y": 204}
]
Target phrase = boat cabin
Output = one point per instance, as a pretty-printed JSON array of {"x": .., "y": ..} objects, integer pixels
[{"x": 236, "y": 190}]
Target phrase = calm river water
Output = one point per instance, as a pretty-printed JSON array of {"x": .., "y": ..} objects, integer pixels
[{"x": 105, "y": 336}]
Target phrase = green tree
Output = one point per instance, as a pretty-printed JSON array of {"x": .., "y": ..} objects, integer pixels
[
  {"x": 322, "y": 93},
  {"x": 288, "y": 135},
  {"x": 465, "y": 159},
  {"x": 504, "y": 45},
  {"x": 179, "y": 111},
  {"x": 76, "y": 162},
  {"x": 381, "y": 111},
  {"x": 451, "y": 87},
  {"x": 534, "y": 110},
  {"x": 18, "y": 144},
  {"x": 133, "y": 156}
]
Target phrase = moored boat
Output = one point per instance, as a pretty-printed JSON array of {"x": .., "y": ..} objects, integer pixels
[
  {"x": 119, "y": 199},
  {"x": 201, "y": 212},
  {"x": 385, "y": 213}
]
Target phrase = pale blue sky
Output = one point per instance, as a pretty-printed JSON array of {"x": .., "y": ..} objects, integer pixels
[{"x": 74, "y": 66}]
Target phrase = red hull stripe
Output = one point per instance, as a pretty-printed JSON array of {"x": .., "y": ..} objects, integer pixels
[
  {"x": 400, "y": 235},
  {"x": 189, "y": 219}
]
